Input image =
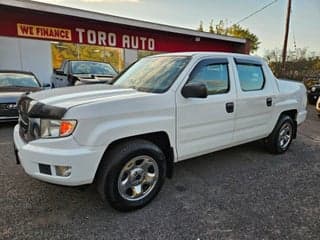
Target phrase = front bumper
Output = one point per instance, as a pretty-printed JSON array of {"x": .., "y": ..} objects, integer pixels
[{"x": 83, "y": 160}]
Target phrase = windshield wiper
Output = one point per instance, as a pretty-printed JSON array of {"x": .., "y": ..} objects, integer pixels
[{"x": 102, "y": 75}]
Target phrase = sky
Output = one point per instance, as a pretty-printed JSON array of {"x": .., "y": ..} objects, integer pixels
[{"x": 268, "y": 25}]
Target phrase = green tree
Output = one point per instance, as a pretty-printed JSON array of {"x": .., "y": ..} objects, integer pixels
[
  {"x": 237, "y": 31},
  {"x": 300, "y": 65},
  {"x": 220, "y": 28},
  {"x": 200, "y": 28},
  {"x": 211, "y": 29},
  {"x": 234, "y": 30}
]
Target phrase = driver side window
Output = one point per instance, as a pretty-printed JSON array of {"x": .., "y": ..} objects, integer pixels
[{"x": 214, "y": 74}]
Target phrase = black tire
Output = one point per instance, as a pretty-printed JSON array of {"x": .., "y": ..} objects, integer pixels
[
  {"x": 52, "y": 86},
  {"x": 312, "y": 101},
  {"x": 273, "y": 142},
  {"x": 113, "y": 164}
]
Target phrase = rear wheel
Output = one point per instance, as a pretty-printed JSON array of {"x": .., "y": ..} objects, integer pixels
[
  {"x": 131, "y": 174},
  {"x": 282, "y": 135}
]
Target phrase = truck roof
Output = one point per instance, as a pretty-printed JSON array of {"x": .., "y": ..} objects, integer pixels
[{"x": 205, "y": 54}]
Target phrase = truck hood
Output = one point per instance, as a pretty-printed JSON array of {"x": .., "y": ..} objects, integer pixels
[{"x": 68, "y": 97}]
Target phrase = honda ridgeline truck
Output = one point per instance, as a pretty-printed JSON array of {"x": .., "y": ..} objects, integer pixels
[{"x": 126, "y": 137}]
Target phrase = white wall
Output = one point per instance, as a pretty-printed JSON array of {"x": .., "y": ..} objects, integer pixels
[
  {"x": 27, "y": 55},
  {"x": 35, "y": 56},
  {"x": 9, "y": 54}
]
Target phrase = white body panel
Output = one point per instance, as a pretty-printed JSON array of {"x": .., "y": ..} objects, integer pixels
[
  {"x": 193, "y": 126},
  {"x": 18, "y": 54}
]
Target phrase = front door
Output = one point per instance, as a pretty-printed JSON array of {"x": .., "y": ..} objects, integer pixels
[{"x": 206, "y": 124}]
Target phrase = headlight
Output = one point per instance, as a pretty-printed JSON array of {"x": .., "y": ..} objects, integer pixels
[
  {"x": 313, "y": 89},
  {"x": 57, "y": 128}
]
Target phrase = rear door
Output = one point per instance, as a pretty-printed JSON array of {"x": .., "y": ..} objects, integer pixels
[
  {"x": 206, "y": 124},
  {"x": 255, "y": 101}
]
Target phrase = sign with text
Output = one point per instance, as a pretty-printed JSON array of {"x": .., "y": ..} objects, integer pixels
[
  {"x": 84, "y": 36},
  {"x": 43, "y": 32},
  {"x": 112, "y": 39},
  {"x": 50, "y": 26}
]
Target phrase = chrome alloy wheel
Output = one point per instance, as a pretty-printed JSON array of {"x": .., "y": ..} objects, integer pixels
[
  {"x": 138, "y": 177},
  {"x": 285, "y": 135}
]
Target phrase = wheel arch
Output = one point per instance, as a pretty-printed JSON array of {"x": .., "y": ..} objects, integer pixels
[
  {"x": 161, "y": 139},
  {"x": 292, "y": 113}
]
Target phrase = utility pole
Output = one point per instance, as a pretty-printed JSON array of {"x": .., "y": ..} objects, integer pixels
[{"x": 285, "y": 43}]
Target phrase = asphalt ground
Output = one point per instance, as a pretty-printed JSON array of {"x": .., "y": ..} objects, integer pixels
[{"x": 239, "y": 193}]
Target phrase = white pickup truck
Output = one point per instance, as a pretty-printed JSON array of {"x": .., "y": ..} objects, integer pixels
[{"x": 163, "y": 109}]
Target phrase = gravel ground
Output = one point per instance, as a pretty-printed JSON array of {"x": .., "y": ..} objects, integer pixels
[{"x": 239, "y": 193}]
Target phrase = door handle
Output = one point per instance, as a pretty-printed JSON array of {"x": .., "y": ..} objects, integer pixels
[
  {"x": 269, "y": 101},
  {"x": 229, "y": 107}
]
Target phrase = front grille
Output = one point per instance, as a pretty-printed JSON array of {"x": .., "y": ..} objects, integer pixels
[
  {"x": 8, "y": 110},
  {"x": 30, "y": 113}
]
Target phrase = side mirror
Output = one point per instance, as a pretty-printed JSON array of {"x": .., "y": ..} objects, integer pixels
[
  {"x": 59, "y": 72},
  {"x": 46, "y": 85},
  {"x": 195, "y": 90}
]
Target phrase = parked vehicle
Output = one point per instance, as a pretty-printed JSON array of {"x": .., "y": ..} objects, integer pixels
[
  {"x": 163, "y": 109},
  {"x": 74, "y": 72},
  {"x": 318, "y": 106},
  {"x": 313, "y": 93},
  {"x": 12, "y": 85}
]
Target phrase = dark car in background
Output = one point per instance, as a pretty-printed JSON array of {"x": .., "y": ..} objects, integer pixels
[
  {"x": 76, "y": 72},
  {"x": 313, "y": 93},
  {"x": 12, "y": 85}
]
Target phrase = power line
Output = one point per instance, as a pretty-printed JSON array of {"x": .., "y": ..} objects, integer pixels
[{"x": 257, "y": 11}]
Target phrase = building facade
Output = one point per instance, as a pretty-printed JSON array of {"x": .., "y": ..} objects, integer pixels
[{"x": 37, "y": 37}]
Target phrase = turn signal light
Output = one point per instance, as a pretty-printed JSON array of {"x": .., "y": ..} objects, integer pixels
[{"x": 67, "y": 127}]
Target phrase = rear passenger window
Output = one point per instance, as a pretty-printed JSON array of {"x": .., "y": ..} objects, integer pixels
[
  {"x": 214, "y": 76},
  {"x": 251, "y": 77}
]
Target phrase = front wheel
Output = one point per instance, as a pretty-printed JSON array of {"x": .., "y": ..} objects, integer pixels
[
  {"x": 282, "y": 135},
  {"x": 131, "y": 174}
]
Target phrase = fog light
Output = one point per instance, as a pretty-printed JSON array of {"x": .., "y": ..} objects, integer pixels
[{"x": 63, "y": 171}]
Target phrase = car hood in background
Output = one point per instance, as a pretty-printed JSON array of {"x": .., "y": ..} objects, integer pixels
[{"x": 11, "y": 95}]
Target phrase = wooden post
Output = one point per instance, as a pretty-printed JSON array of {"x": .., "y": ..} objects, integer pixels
[{"x": 285, "y": 43}]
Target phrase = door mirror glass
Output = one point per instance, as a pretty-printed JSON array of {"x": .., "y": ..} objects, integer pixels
[
  {"x": 59, "y": 72},
  {"x": 195, "y": 90}
]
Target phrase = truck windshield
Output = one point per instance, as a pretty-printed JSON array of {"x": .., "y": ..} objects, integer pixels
[
  {"x": 96, "y": 68},
  {"x": 153, "y": 74}
]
